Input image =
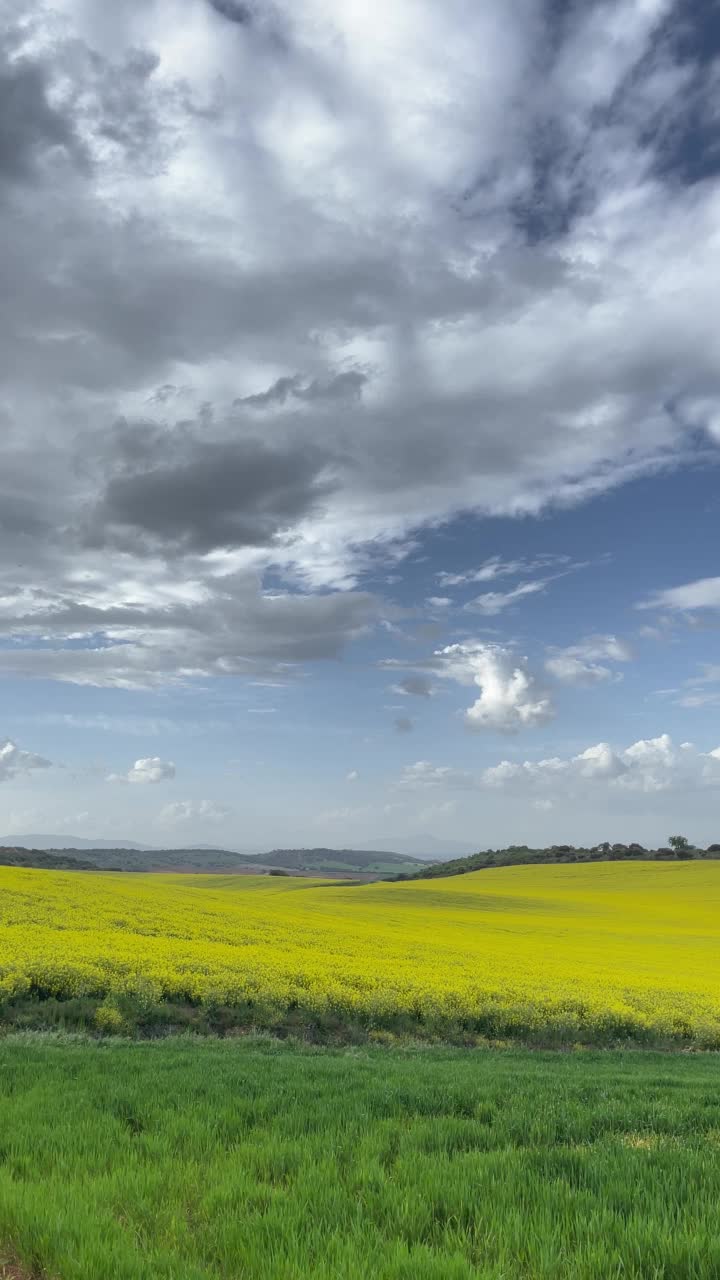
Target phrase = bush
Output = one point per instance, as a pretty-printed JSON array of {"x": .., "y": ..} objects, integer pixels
[{"x": 109, "y": 1019}]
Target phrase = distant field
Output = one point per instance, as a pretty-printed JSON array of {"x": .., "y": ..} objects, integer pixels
[
  {"x": 229, "y": 1160},
  {"x": 551, "y": 954}
]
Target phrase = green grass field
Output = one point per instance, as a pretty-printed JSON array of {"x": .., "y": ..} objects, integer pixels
[{"x": 251, "y": 1160}]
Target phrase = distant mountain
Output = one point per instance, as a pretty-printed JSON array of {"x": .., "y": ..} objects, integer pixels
[
  {"x": 425, "y": 847},
  {"x": 34, "y": 841}
]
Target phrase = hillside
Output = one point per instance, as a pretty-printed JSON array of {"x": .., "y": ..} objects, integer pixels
[
  {"x": 523, "y": 855},
  {"x": 329, "y": 862},
  {"x": 16, "y": 857},
  {"x": 363, "y": 861}
]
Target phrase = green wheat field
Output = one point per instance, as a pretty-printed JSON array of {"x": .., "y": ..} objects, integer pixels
[{"x": 246, "y": 1159}]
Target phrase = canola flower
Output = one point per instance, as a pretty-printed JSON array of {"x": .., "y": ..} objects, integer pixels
[{"x": 590, "y": 951}]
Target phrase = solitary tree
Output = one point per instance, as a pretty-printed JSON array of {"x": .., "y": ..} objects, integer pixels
[{"x": 681, "y": 846}]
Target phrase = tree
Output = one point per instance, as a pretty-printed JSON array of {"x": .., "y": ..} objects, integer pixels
[{"x": 681, "y": 846}]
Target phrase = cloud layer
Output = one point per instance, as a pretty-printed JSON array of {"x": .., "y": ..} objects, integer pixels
[
  {"x": 283, "y": 285},
  {"x": 648, "y": 766}
]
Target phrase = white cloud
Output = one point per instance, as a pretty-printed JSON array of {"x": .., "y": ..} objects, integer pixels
[
  {"x": 510, "y": 698},
  {"x": 423, "y": 775},
  {"x": 509, "y": 771},
  {"x": 352, "y": 776},
  {"x": 493, "y": 602},
  {"x": 569, "y": 670},
  {"x": 649, "y": 765},
  {"x": 599, "y": 761},
  {"x": 496, "y": 567},
  {"x": 15, "y": 761},
  {"x": 150, "y": 769},
  {"x": 703, "y": 593},
  {"x": 185, "y": 812},
  {"x": 598, "y": 647},
  {"x": 581, "y": 663}
]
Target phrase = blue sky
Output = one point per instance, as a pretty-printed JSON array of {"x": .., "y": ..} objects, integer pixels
[{"x": 359, "y": 467}]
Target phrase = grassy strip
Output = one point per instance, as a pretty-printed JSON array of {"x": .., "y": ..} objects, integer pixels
[
  {"x": 209, "y": 1160},
  {"x": 131, "y": 1015}
]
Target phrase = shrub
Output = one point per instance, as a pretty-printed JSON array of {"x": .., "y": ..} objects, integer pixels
[{"x": 109, "y": 1019}]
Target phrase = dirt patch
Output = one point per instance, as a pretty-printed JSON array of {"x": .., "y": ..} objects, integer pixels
[{"x": 10, "y": 1270}]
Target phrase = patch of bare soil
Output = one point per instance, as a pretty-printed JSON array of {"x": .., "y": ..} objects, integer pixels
[{"x": 11, "y": 1269}]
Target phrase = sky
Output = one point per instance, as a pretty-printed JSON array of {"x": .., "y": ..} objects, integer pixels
[{"x": 360, "y": 421}]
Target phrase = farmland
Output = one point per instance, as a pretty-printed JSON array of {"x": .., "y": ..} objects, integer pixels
[
  {"x": 209, "y": 1160},
  {"x": 595, "y": 954}
]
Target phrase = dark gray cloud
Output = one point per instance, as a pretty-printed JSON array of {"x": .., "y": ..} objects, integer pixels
[
  {"x": 229, "y": 494},
  {"x": 234, "y": 631},
  {"x": 234, "y": 11},
  {"x": 414, "y": 686},
  {"x": 404, "y": 725},
  {"x": 30, "y": 126},
  {"x": 341, "y": 386}
]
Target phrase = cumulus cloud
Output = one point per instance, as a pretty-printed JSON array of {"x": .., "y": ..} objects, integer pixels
[
  {"x": 150, "y": 769},
  {"x": 648, "y": 766},
  {"x": 510, "y": 698},
  {"x": 15, "y": 761},
  {"x": 352, "y": 776}
]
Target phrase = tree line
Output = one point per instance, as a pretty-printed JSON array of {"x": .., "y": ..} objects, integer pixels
[{"x": 678, "y": 848}]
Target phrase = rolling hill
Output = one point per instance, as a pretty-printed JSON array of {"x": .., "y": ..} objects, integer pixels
[
  {"x": 597, "y": 953},
  {"x": 327, "y": 862}
]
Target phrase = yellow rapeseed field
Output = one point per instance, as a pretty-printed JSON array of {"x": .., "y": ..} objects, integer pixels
[{"x": 586, "y": 951}]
